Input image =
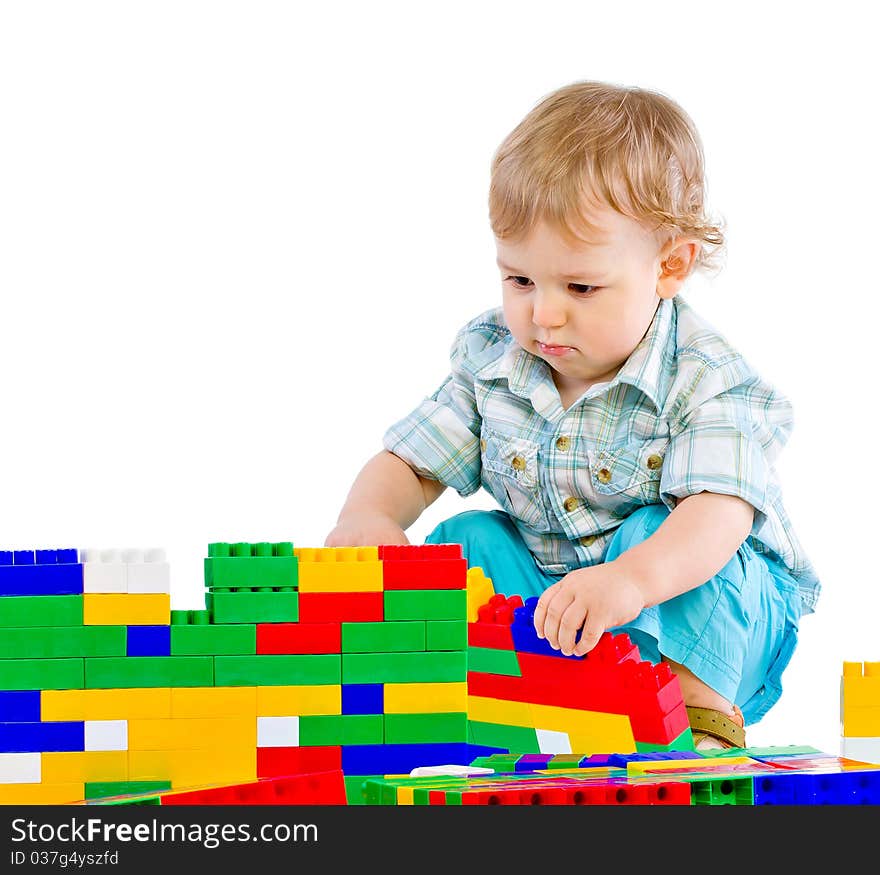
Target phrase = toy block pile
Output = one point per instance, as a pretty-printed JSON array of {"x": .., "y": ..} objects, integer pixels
[
  {"x": 860, "y": 711},
  {"x": 769, "y": 776}
]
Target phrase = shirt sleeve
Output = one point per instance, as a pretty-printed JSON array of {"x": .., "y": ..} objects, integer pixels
[
  {"x": 440, "y": 439},
  {"x": 731, "y": 429}
]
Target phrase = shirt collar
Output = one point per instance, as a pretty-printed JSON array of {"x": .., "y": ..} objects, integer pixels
[{"x": 647, "y": 369}]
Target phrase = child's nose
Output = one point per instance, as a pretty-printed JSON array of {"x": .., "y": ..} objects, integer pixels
[{"x": 548, "y": 308}]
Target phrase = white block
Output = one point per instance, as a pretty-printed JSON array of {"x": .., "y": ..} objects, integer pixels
[
  {"x": 148, "y": 571},
  {"x": 20, "y": 768},
  {"x": 550, "y": 741},
  {"x": 865, "y": 750},
  {"x": 277, "y": 731},
  {"x": 106, "y": 734},
  {"x": 103, "y": 571},
  {"x": 461, "y": 771}
]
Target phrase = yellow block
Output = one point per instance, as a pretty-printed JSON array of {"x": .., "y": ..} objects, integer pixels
[
  {"x": 41, "y": 794},
  {"x": 84, "y": 765},
  {"x": 360, "y": 576},
  {"x": 113, "y": 704},
  {"x": 126, "y": 609},
  {"x": 484, "y": 709},
  {"x": 299, "y": 701},
  {"x": 425, "y": 698},
  {"x": 708, "y": 764},
  {"x": 860, "y": 692},
  {"x": 479, "y": 590},
  {"x": 336, "y": 554},
  {"x": 588, "y": 731},
  {"x": 405, "y": 795},
  {"x": 182, "y": 733},
  {"x": 861, "y": 722},
  {"x": 213, "y": 702},
  {"x": 192, "y": 768}
]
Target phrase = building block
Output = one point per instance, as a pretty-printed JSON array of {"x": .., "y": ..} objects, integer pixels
[
  {"x": 363, "y": 698},
  {"x": 299, "y": 638},
  {"x": 413, "y": 698},
  {"x": 391, "y": 668},
  {"x": 341, "y": 729},
  {"x": 226, "y": 640},
  {"x": 19, "y": 706},
  {"x": 384, "y": 637},
  {"x": 103, "y": 571},
  {"x": 254, "y": 607},
  {"x": 273, "y": 761},
  {"x": 40, "y": 572},
  {"x": 126, "y": 609},
  {"x": 145, "y": 641},
  {"x": 81, "y": 766},
  {"x": 340, "y": 569},
  {"x": 37, "y": 737},
  {"x": 38, "y": 674},
  {"x": 212, "y": 702},
  {"x": 446, "y": 635},
  {"x": 343, "y": 607},
  {"x": 278, "y": 701},
  {"x": 429, "y": 566},
  {"x": 147, "y": 571},
  {"x": 41, "y": 610},
  {"x": 234, "y": 671},
  {"x": 250, "y": 565},
  {"x": 407, "y": 604},
  {"x": 277, "y": 731},
  {"x": 105, "y": 704},
  {"x": 151, "y": 671},
  {"x": 20, "y": 768}
]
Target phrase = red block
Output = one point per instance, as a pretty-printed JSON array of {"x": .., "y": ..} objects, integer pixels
[
  {"x": 436, "y": 797},
  {"x": 299, "y": 637},
  {"x": 424, "y": 574},
  {"x": 341, "y": 607},
  {"x": 315, "y": 788},
  {"x": 495, "y": 635},
  {"x": 275, "y": 761},
  {"x": 419, "y": 552}
]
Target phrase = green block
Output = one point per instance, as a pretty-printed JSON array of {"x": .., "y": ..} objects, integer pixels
[
  {"x": 316, "y": 730},
  {"x": 134, "y": 800},
  {"x": 492, "y": 661},
  {"x": 426, "y": 604},
  {"x": 425, "y": 728},
  {"x": 277, "y": 670},
  {"x": 41, "y": 610},
  {"x": 228, "y": 640},
  {"x": 446, "y": 635},
  {"x": 521, "y": 739},
  {"x": 253, "y": 607},
  {"x": 500, "y": 762},
  {"x": 252, "y": 571},
  {"x": 149, "y": 671},
  {"x": 41, "y": 674},
  {"x": 383, "y": 637},
  {"x": 566, "y": 761},
  {"x": 720, "y": 791},
  {"x": 403, "y": 668},
  {"x": 101, "y": 789},
  {"x": 354, "y": 788},
  {"x": 53, "y": 642}
]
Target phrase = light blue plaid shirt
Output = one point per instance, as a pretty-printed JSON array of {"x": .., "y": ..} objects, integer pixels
[{"x": 685, "y": 414}]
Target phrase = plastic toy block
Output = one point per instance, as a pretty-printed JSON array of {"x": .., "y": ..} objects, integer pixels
[
  {"x": 500, "y": 610},
  {"x": 490, "y": 710},
  {"x": 243, "y": 671},
  {"x": 425, "y": 728},
  {"x": 491, "y": 661},
  {"x": 213, "y": 702},
  {"x": 588, "y": 731},
  {"x": 865, "y": 749},
  {"x": 47, "y": 642},
  {"x": 503, "y": 735},
  {"x": 340, "y": 569},
  {"x": 342, "y": 729},
  {"x": 299, "y": 637},
  {"x": 81, "y": 766},
  {"x": 151, "y": 671},
  {"x": 40, "y": 794},
  {"x": 41, "y": 572},
  {"x": 147, "y": 571},
  {"x": 279, "y": 701},
  {"x": 229, "y": 640},
  {"x": 496, "y": 635},
  {"x": 479, "y": 591},
  {"x": 405, "y": 604},
  {"x": 428, "y": 566},
  {"x": 41, "y": 610},
  {"x": 251, "y": 565},
  {"x": 315, "y": 788},
  {"x": 19, "y": 706},
  {"x": 272, "y": 761},
  {"x": 372, "y": 759},
  {"x": 38, "y": 674},
  {"x": 277, "y": 731},
  {"x": 344, "y": 607},
  {"x": 101, "y": 789},
  {"x": 856, "y": 722},
  {"x": 254, "y": 607},
  {"x": 446, "y": 635},
  {"x": 425, "y": 698},
  {"x": 193, "y": 733},
  {"x": 146, "y": 641},
  {"x": 19, "y": 768},
  {"x": 363, "y": 698},
  {"x": 103, "y": 571},
  {"x": 190, "y": 768},
  {"x": 126, "y": 609},
  {"x": 385, "y": 637},
  {"x": 106, "y": 704},
  {"x": 37, "y": 737},
  {"x": 401, "y": 668},
  {"x": 551, "y": 741},
  {"x": 103, "y": 735}
]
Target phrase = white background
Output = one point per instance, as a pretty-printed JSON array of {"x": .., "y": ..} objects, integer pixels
[{"x": 236, "y": 240}]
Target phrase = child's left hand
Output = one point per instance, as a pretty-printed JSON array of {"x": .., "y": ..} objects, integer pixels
[{"x": 589, "y": 599}]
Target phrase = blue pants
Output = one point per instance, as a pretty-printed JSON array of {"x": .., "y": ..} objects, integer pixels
[{"x": 736, "y": 632}]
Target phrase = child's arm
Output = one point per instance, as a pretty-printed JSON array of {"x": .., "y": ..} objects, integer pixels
[
  {"x": 386, "y": 498},
  {"x": 693, "y": 544}
]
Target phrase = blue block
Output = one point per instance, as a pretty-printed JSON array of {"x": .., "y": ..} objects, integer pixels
[
  {"x": 148, "y": 641},
  {"x": 40, "y": 737},
  {"x": 528, "y": 762},
  {"x": 620, "y": 760},
  {"x": 373, "y": 759},
  {"x": 526, "y": 640},
  {"x": 29, "y": 578},
  {"x": 19, "y": 706},
  {"x": 363, "y": 698}
]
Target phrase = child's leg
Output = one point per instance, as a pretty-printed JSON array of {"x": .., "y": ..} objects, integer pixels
[
  {"x": 490, "y": 540},
  {"x": 729, "y": 639}
]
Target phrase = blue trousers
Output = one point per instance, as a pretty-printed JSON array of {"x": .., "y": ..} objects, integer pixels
[{"x": 736, "y": 632}]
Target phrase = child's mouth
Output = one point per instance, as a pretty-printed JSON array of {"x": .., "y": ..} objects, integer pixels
[{"x": 551, "y": 349}]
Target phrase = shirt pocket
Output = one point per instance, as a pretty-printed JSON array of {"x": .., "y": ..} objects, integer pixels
[
  {"x": 627, "y": 477},
  {"x": 510, "y": 474}
]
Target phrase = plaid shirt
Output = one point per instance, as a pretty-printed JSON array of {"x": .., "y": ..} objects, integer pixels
[{"x": 685, "y": 414}]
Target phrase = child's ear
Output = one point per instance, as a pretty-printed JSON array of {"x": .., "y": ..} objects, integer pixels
[{"x": 677, "y": 260}]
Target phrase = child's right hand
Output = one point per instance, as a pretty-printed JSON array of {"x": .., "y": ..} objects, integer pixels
[{"x": 365, "y": 529}]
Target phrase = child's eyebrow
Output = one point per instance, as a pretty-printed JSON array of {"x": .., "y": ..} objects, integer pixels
[{"x": 593, "y": 275}]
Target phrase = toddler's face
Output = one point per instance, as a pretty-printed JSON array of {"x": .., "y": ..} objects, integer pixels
[{"x": 583, "y": 309}]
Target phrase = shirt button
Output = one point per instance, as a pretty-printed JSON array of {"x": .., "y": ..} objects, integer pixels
[
  {"x": 588, "y": 541},
  {"x": 570, "y": 504},
  {"x": 483, "y": 446},
  {"x": 603, "y": 475},
  {"x": 519, "y": 463},
  {"x": 563, "y": 443},
  {"x": 654, "y": 462}
]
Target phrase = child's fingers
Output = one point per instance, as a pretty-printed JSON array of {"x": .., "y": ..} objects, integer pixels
[
  {"x": 570, "y": 623},
  {"x": 555, "y": 608},
  {"x": 541, "y": 608},
  {"x": 590, "y": 636}
]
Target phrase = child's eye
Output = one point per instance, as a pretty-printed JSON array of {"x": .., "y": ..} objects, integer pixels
[
  {"x": 521, "y": 282},
  {"x": 582, "y": 289}
]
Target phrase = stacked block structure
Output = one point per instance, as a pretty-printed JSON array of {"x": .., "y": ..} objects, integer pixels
[{"x": 860, "y": 711}]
